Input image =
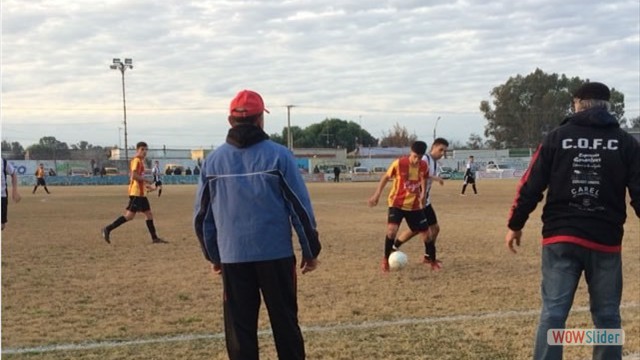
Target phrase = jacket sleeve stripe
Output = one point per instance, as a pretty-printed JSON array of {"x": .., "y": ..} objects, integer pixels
[
  {"x": 202, "y": 208},
  {"x": 309, "y": 236},
  {"x": 517, "y": 215}
]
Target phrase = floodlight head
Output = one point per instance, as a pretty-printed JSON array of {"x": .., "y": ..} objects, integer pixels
[
  {"x": 114, "y": 67},
  {"x": 128, "y": 61},
  {"x": 116, "y": 61}
]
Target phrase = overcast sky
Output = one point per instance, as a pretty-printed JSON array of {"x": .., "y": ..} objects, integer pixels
[{"x": 373, "y": 62}]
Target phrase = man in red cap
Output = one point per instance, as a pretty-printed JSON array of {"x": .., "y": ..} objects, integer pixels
[
  {"x": 587, "y": 163},
  {"x": 249, "y": 196}
]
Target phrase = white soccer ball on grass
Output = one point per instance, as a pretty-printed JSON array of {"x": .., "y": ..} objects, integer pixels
[{"x": 398, "y": 260}]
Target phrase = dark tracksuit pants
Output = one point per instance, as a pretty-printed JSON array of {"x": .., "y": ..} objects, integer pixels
[{"x": 243, "y": 282}]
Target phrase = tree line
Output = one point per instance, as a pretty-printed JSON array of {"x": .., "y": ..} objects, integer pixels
[
  {"x": 522, "y": 111},
  {"x": 48, "y": 148}
]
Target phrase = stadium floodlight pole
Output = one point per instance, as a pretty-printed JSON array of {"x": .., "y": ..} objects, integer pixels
[
  {"x": 289, "y": 135},
  {"x": 434, "y": 128},
  {"x": 123, "y": 66}
]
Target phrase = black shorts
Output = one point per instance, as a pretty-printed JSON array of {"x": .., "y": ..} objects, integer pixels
[
  {"x": 430, "y": 214},
  {"x": 469, "y": 180},
  {"x": 5, "y": 206},
  {"x": 138, "y": 204},
  {"x": 416, "y": 219},
  {"x": 41, "y": 182},
  {"x": 158, "y": 183}
]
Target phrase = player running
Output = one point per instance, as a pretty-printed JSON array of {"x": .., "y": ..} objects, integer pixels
[
  {"x": 406, "y": 198},
  {"x": 138, "y": 202}
]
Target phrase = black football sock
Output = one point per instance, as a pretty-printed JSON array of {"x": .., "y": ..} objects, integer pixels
[
  {"x": 388, "y": 247},
  {"x": 464, "y": 187},
  {"x": 430, "y": 250},
  {"x": 119, "y": 221},
  {"x": 396, "y": 244},
  {"x": 159, "y": 192},
  {"x": 152, "y": 229},
  {"x": 474, "y": 189}
]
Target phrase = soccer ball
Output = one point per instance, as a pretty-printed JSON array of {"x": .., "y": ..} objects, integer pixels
[{"x": 397, "y": 260}]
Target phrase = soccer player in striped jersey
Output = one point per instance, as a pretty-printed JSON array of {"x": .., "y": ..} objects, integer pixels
[
  {"x": 157, "y": 177},
  {"x": 406, "y": 198},
  {"x": 437, "y": 151},
  {"x": 469, "y": 177},
  {"x": 138, "y": 202}
]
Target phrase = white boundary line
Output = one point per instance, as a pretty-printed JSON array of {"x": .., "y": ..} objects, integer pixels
[{"x": 310, "y": 329}]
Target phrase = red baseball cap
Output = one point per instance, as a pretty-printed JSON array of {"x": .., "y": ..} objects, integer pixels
[{"x": 247, "y": 103}]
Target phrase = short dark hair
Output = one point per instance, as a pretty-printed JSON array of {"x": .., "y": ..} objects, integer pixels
[
  {"x": 419, "y": 147},
  {"x": 141, "y": 144},
  {"x": 440, "y": 141}
]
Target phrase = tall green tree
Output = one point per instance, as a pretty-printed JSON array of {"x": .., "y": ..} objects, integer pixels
[
  {"x": 16, "y": 149},
  {"x": 330, "y": 133},
  {"x": 49, "y": 148},
  {"x": 525, "y": 108},
  {"x": 398, "y": 136},
  {"x": 84, "y": 145},
  {"x": 475, "y": 142}
]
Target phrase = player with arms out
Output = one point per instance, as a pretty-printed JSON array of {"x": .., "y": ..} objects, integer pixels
[
  {"x": 437, "y": 151},
  {"x": 406, "y": 198},
  {"x": 40, "y": 175},
  {"x": 138, "y": 202}
]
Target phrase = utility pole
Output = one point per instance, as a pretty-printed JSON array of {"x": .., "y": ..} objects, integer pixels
[
  {"x": 289, "y": 135},
  {"x": 434, "y": 128},
  {"x": 327, "y": 135}
]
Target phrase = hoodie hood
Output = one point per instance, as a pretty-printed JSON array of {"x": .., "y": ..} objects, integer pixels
[
  {"x": 243, "y": 136},
  {"x": 596, "y": 117}
]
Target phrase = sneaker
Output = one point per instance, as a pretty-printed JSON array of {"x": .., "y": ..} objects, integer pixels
[
  {"x": 159, "y": 241},
  {"x": 105, "y": 235},
  {"x": 435, "y": 265},
  {"x": 385, "y": 265}
]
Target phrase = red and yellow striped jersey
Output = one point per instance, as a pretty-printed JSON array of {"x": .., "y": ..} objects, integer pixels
[
  {"x": 407, "y": 180},
  {"x": 136, "y": 188},
  {"x": 39, "y": 173}
]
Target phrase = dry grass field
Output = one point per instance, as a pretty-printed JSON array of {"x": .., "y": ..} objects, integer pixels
[{"x": 72, "y": 296}]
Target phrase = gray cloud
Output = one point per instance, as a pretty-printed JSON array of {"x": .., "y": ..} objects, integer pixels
[{"x": 378, "y": 62}]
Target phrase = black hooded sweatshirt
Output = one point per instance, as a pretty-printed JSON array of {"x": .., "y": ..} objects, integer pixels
[{"x": 587, "y": 163}]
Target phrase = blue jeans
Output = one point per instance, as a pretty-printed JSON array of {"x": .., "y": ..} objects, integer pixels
[{"x": 562, "y": 266}]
